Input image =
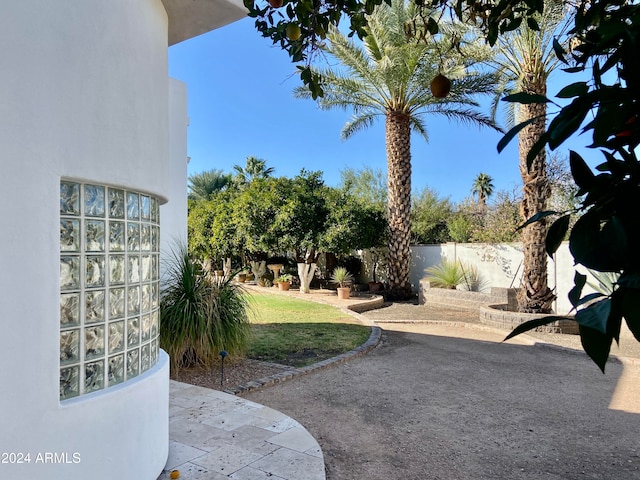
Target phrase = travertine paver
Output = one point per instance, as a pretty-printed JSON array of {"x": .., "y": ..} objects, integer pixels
[{"x": 215, "y": 435}]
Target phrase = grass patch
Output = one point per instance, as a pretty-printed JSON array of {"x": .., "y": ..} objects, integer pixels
[{"x": 295, "y": 332}]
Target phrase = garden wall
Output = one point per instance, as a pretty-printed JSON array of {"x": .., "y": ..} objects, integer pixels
[
  {"x": 499, "y": 265},
  {"x": 463, "y": 299}
]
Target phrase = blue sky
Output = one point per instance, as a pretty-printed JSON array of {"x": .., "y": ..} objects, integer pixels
[{"x": 241, "y": 104}]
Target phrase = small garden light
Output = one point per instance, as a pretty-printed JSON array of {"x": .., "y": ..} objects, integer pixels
[{"x": 223, "y": 355}]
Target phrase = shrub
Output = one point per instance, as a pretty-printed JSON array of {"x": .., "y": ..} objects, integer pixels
[{"x": 200, "y": 316}]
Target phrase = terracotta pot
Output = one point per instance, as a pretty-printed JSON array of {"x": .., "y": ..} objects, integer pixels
[
  {"x": 343, "y": 292},
  {"x": 284, "y": 286}
]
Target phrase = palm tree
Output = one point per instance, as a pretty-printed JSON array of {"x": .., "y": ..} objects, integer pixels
[
  {"x": 254, "y": 168},
  {"x": 203, "y": 184},
  {"x": 483, "y": 188},
  {"x": 525, "y": 61},
  {"x": 389, "y": 76}
]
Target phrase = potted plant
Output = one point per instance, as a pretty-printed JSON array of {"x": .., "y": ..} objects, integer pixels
[
  {"x": 342, "y": 277},
  {"x": 284, "y": 282}
]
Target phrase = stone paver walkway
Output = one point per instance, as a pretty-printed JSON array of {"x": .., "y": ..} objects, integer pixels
[{"x": 215, "y": 435}]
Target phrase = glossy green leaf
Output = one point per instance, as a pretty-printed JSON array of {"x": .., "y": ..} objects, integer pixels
[
  {"x": 537, "y": 217},
  {"x": 579, "y": 281},
  {"x": 537, "y": 148},
  {"x": 589, "y": 298},
  {"x": 532, "y": 24},
  {"x": 567, "y": 122},
  {"x": 556, "y": 234},
  {"x": 582, "y": 174},
  {"x": 631, "y": 312},
  {"x": 532, "y": 324},
  {"x": 559, "y": 51},
  {"x": 526, "y": 98},
  {"x": 504, "y": 141},
  {"x": 614, "y": 236},
  {"x": 630, "y": 280},
  {"x": 514, "y": 24},
  {"x": 583, "y": 239},
  {"x": 596, "y": 344},
  {"x": 595, "y": 315},
  {"x": 573, "y": 90}
]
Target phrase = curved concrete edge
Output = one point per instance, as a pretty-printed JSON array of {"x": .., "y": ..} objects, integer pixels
[
  {"x": 353, "y": 309},
  {"x": 214, "y": 435},
  {"x": 366, "y": 347}
]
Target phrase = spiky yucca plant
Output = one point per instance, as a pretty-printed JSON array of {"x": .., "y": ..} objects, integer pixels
[
  {"x": 446, "y": 274},
  {"x": 200, "y": 316},
  {"x": 341, "y": 276}
]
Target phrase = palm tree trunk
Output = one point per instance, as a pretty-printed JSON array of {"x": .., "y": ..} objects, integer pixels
[
  {"x": 398, "y": 138},
  {"x": 534, "y": 295}
]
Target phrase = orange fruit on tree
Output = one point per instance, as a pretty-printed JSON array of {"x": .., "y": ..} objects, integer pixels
[
  {"x": 440, "y": 86},
  {"x": 275, "y": 3},
  {"x": 293, "y": 31}
]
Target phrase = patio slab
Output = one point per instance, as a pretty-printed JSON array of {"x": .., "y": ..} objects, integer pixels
[{"x": 216, "y": 435}]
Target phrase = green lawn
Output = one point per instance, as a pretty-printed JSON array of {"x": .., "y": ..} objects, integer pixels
[{"x": 296, "y": 332}]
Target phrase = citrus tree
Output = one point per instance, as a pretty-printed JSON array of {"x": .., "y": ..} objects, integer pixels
[{"x": 213, "y": 230}]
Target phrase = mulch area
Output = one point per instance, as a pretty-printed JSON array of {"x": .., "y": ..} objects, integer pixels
[{"x": 237, "y": 371}]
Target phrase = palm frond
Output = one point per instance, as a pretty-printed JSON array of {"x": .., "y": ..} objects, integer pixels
[
  {"x": 466, "y": 117},
  {"x": 418, "y": 126},
  {"x": 358, "y": 123}
]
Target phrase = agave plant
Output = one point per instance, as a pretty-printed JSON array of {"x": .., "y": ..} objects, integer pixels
[
  {"x": 200, "y": 316},
  {"x": 341, "y": 276}
]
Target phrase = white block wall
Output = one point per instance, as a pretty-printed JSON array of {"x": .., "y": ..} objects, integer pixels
[{"x": 500, "y": 265}]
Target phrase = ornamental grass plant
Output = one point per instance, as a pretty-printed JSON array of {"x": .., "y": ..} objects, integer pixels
[
  {"x": 200, "y": 315},
  {"x": 446, "y": 274},
  {"x": 450, "y": 274}
]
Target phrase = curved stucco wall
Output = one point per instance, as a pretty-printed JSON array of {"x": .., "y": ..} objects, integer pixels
[{"x": 84, "y": 96}]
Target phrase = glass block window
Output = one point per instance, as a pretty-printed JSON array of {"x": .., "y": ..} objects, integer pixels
[{"x": 109, "y": 283}]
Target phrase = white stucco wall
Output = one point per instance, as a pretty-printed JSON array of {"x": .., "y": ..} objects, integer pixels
[
  {"x": 84, "y": 95},
  {"x": 500, "y": 265},
  {"x": 173, "y": 214}
]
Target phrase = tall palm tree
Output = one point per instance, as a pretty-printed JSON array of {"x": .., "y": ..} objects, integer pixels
[
  {"x": 525, "y": 61},
  {"x": 388, "y": 75},
  {"x": 203, "y": 184},
  {"x": 483, "y": 188},
  {"x": 254, "y": 168}
]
